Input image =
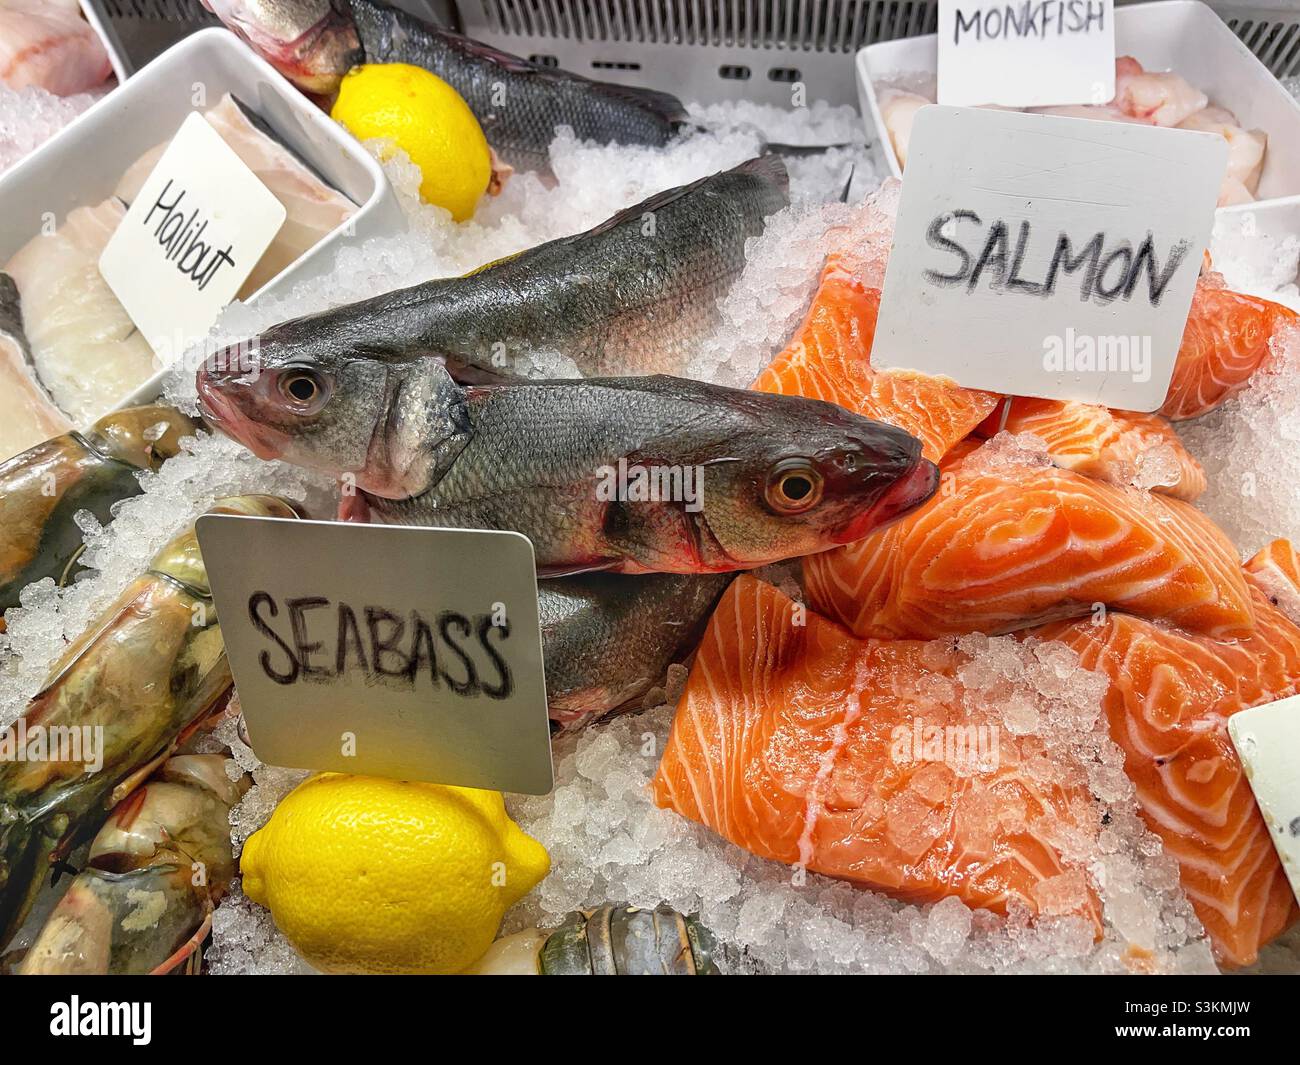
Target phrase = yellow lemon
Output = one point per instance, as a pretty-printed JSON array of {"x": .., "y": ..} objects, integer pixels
[
  {"x": 425, "y": 117},
  {"x": 366, "y": 875}
]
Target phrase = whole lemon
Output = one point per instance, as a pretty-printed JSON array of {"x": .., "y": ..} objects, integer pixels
[
  {"x": 367, "y": 875},
  {"x": 425, "y": 117}
]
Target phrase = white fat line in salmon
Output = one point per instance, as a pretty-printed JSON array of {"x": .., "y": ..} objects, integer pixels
[{"x": 815, "y": 802}]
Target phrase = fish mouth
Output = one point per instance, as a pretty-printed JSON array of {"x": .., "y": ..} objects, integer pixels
[
  {"x": 899, "y": 499},
  {"x": 316, "y": 59},
  {"x": 220, "y": 410}
]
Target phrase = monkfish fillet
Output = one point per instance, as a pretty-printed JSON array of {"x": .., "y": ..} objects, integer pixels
[
  {"x": 1118, "y": 447},
  {"x": 787, "y": 743},
  {"x": 1227, "y": 337},
  {"x": 1010, "y": 542},
  {"x": 830, "y": 358},
  {"x": 1168, "y": 705}
]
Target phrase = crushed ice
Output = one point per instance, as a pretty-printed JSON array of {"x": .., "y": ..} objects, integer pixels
[
  {"x": 30, "y": 116},
  {"x": 607, "y": 842}
]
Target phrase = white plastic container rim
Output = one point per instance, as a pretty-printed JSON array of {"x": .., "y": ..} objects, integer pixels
[
  {"x": 1185, "y": 36},
  {"x": 83, "y": 162},
  {"x": 107, "y": 39}
]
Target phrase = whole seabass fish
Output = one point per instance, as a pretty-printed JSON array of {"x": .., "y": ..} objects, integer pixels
[
  {"x": 633, "y": 295},
  {"x": 518, "y": 103},
  {"x": 609, "y": 638},
  {"x": 632, "y": 475}
]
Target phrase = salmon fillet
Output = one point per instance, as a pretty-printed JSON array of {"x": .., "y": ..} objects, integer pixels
[
  {"x": 1115, "y": 446},
  {"x": 787, "y": 743},
  {"x": 1227, "y": 337},
  {"x": 1275, "y": 571},
  {"x": 1005, "y": 546},
  {"x": 830, "y": 358},
  {"x": 1168, "y": 704}
]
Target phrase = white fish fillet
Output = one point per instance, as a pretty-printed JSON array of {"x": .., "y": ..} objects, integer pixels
[
  {"x": 85, "y": 347},
  {"x": 26, "y": 414},
  {"x": 1246, "y": 148},
  {"x": 313, "y": 208},
  {"x": 1162, "y": 97},
  {"x": 898, "y": 109},
  {"x": 47, "y": 43},
  {"x": 1100, "y": 112}
]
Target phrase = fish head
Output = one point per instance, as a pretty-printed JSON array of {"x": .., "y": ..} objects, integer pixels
[
  {"x": 384, "y": 425},
  {"x": 813, "y": 477},
  {"x": 313, "y": 43}
]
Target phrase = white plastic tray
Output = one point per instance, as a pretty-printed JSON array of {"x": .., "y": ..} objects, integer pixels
[
  {"x": 109, "y": 40},
  {"x": 83, "y": 162},
  {"x": 1185, "y": 36}
]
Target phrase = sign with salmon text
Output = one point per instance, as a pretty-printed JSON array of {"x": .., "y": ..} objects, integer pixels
[
  {"x": 1044, "y": 256},
  {"x": 1027, "y": 53},
  {"x": 189, "y": 240},
  {"x": 384, "y": 650}
]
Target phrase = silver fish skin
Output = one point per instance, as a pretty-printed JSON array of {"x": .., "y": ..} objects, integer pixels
[
  {"x": 615, "y": 299},
  {"x": 518, "y": 103},
  {"x": 313, "y": 43},
  {"x": 629, "y": 474},
  {"x": 608, "y": 639},
  {"x": 539, "y": 458},
  {"x": 11, "y": 317}
]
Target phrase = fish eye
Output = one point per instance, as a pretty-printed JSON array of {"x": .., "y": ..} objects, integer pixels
[
  {"x": 305, "y": 389},
  {"x": 793, "y": 487}
]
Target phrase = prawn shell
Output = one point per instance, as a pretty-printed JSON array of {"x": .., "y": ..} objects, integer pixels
[{"x": 629, "y": 941}]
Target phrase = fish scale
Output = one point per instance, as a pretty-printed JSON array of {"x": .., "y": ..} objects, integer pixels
[
  {"x": 518, "y": 103},
  {"x": 634, "y": 295},
  {"x": 535, "y": 452}
]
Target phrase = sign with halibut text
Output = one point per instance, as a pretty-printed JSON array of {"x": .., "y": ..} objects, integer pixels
[
  {"x": 1027, "y": 53},
  {"x": 1044, "y": 256},
  {"x": 190, "y": 239},
  {"x": 384, "y": 650}
]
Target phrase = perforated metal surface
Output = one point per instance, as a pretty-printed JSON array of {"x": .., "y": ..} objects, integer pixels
[
  {"x": 820, "y": 25},
  {"x": 698, "y": 49},
  {"x": 1272, "y": 33}
]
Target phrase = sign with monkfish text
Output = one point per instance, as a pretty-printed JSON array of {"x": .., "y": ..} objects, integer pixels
[
  {"x": 190, "y": 239},
  {"x": 1044, "y": 256},
  {"x": 384, "y": 650},
  {"x": 1026, "y": 53}
]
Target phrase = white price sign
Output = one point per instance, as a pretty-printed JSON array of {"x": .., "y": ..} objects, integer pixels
[
  {"x": 1268, "y": 740},
  {"x": 385, "y": 650},
  {"x": 201, "y": 222},
  {"x": 1031, "y": 53},
  {"x": 1044, "y": 256}
]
